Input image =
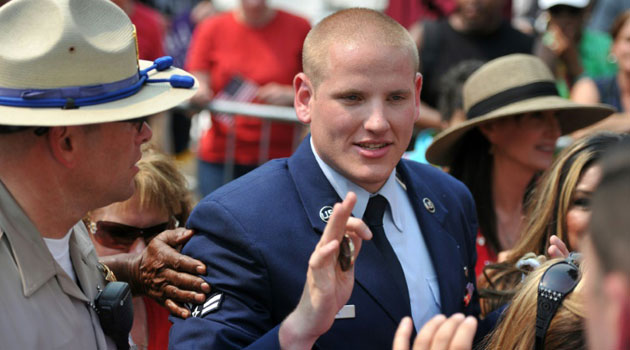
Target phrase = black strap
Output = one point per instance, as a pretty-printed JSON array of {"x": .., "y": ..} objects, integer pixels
[
  {"x": 515, "y": 94},
  {"x": 546, "y": 309},
  {"x": 373, "y": 217}
]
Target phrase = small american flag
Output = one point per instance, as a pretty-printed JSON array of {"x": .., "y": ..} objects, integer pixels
[{"x": 237, "y": 89}]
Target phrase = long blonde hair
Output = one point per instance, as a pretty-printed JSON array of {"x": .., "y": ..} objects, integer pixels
[
  {"x": 517, "y": 327},
  {"x": 546, "y": 215}
]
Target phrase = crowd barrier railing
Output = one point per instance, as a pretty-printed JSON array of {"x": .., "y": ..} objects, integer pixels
[{"x": 267, "y": 113}]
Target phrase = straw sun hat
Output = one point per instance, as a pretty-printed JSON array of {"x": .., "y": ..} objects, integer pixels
[
  {"x": 72, "y": 62},
  {"x": 508, "y": 86}
]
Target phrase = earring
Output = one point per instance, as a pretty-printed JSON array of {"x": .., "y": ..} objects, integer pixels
[{"x": 611, "y": 58}]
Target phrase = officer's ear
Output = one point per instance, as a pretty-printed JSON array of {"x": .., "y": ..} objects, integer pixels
[
  {"x": 304, "y": 93},
  {"x": 62, "y": 141}
]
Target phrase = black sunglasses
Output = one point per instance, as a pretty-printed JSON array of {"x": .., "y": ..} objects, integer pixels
[
  {"x": 118, "y": 236},
  {"x": 138, "y": 121},
  {"x": 562, "y": 9},
  {"x": 39, "y": 131},
  {"x": 556, "y": 283}
]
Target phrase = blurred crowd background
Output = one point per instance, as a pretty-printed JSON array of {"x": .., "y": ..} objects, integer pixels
[{"x": 454, "y": 37}]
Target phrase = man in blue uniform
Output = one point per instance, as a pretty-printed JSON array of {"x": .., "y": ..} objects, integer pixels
[{"x": 360, "y": 94}]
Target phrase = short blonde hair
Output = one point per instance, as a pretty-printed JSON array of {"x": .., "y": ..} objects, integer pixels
[
  {"x": 160, "y": 185},
  {"x": 352, "y": 26}
]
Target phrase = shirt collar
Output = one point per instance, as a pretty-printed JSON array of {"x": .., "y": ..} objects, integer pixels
[
  {"x": 35, "y": 263},
  {"x": 391, "y": 190}
]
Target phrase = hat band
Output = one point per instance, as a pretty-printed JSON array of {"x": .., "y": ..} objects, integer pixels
[
  {"x": 515, "y": 94},
  {"x": 69, "y": 92},
  {"x": 76, "y": 96}
]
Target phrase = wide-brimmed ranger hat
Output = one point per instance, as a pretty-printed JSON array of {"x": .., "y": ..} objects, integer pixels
[
  {"x": 509, "y": 86},
  {"x": 73, "y": 62}
]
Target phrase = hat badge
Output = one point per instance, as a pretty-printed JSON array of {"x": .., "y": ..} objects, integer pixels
[
  {"x": 428, "y": 204},
  {"x": 325, "y": 212}
]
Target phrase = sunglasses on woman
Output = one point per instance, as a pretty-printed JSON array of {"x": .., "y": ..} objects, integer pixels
[
  {"x": 119, "y": 236},
  {"x": 556, "y": 283}
]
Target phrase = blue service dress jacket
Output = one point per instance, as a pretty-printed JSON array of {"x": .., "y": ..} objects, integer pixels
[{"x": 256, "y": 235}]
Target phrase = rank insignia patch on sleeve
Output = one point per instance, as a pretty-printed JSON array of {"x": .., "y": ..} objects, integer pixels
[{"x": 213, "y": 303}]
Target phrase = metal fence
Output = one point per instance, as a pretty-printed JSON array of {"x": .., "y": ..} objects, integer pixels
[{"x": 267, "y": 113}]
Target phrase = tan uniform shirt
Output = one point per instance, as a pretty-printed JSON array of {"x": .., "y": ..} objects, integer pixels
[{"x": 42, "y": 307}]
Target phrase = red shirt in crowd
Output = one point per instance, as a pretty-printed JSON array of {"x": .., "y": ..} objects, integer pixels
[
  {"x": 158, "y": 324},
  {"x": 226, "y": 48},
  {"x": 407, "y": 12},
  {"x": 150, "y": 31},
  {"x": 485, "y": 254}
]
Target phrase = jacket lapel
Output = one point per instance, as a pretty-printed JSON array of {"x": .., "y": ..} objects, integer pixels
[{"x": 316, "y": 193}]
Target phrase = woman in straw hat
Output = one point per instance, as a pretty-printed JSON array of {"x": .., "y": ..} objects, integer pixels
[{"x": 514, "y": 117}]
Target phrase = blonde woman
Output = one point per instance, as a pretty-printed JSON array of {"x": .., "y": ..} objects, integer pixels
[
  {"x": 161, "y": 201},
  {"x": 560, "y": 206},
  {"x": 525, "y": 325}
]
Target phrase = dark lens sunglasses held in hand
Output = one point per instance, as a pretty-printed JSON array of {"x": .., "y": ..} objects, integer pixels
[{"x": 556, "y": 283}]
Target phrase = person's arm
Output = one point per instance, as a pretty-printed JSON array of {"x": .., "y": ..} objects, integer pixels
[
  {"x": 162, "y": 273},
  {"x": 429, "y": 118},
  {"x": 204, "y": 94},
  {"x": 617, "y": 122},
  {"x": 276, "y": 94},
  {"x": 556, "y": 46},
  {"x": 585, "y": 91},
  {"x": 198, "y": 60},
  {"x": 202, "y": 10},
  {"x": 238, "y": 269}
]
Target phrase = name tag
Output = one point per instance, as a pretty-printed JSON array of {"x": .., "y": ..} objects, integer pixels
[{"x": 347, "y": 311}]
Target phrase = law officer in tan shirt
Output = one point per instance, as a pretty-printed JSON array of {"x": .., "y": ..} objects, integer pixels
[{"x": 72, "y": 97}]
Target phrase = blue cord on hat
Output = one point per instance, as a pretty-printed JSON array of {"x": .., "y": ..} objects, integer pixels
[{"x": 74, "y": 97}]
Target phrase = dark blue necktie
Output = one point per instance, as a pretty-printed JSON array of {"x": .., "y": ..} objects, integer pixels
[{"x": 373, "y": 217}]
